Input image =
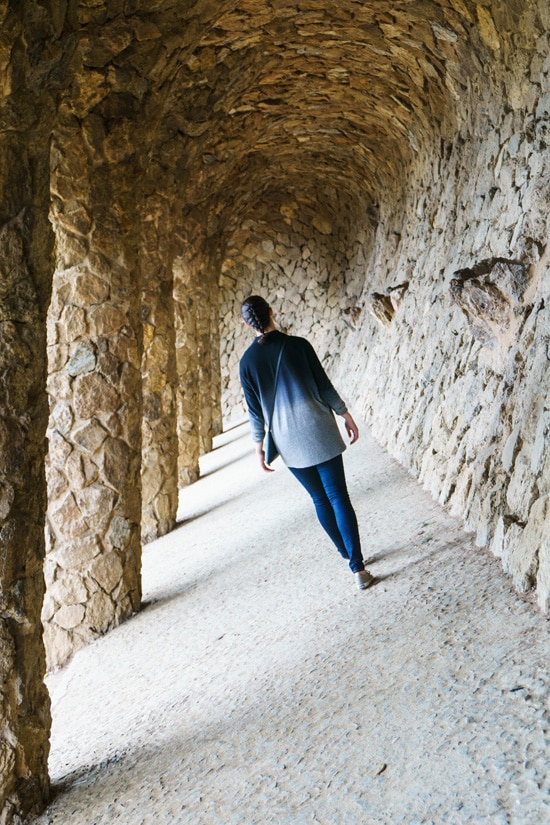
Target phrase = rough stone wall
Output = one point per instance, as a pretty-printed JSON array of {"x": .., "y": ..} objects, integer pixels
[
  {"x": 455, "y": 377},
  {"x": 310, "y": 270}
]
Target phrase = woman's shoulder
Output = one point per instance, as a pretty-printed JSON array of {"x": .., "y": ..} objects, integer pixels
[
  {"x": 298, "y": 343},
  {"x": 296, "y": 340},
  {"x": 248, "y": 354}
]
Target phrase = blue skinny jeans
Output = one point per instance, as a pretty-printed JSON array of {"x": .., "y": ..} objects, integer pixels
[{"x": 326, "y": 484}]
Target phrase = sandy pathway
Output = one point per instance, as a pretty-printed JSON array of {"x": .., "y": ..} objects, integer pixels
[{"x": 259, "y": 686}]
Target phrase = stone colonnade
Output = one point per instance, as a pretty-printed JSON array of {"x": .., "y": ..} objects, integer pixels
[
  {"x": 115, "y": 381},
  {"x": 110, "y": 343},
  {"x": 123, "y": 356},
  {"x": 378, "y": 170}
]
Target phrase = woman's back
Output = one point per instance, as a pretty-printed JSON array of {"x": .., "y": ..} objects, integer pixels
[{"x": 303, "y": 424}]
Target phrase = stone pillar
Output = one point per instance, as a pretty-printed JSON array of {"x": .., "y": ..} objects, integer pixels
[
  {"x": 187, "y": 362},
  {"x": 159, "y": 374},
  {"x": 94, "y": 335},
  {"x": 208, "y": 351},
  {"x": 198, "y": 349},
  {"x": 26, "y": 270},
  {"x": 24, "y": 712},
  {"x": 215, "y": 353}
]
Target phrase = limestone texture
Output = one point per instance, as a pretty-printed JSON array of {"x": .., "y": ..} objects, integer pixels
[{"x": 378, "y": 170}]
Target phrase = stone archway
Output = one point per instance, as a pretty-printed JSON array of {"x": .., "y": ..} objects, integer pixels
[{"x": 378, "y": 169}]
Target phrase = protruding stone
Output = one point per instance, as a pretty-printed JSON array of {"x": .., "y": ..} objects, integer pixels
[
  {"x": 83, "y": 359},
  {"x": 69, "y": 616},
  {"x": 120, "y": 532},
  {"x": 93, "y": 394}
]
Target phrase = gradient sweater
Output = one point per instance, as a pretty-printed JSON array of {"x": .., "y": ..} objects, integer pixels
[{"x": 303, "y": 424}]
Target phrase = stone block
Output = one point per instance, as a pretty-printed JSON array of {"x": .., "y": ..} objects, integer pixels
[
  {"x": 93, "y": 394},
  {"x": 96, "y": 504},
  {"x": 76, "y": 555},
  {"x": 67, "y": 519},
  {"x": 107, "y": 570},
  {"x": 89, "y": 289},
  {"x": 74, "y": 471},
  {"x": 115, "y": 463},
  {"x": 61, "y": 418},
  {"x": 59, "y": 645},
  {"x": 59, "y": 449},
  {"x": 57, "y": 482},
  {"x": 68, "y": 590},
  {"x": 91, "y": 436},
  {"x": 120, "y": 532},
  {"x": 90, "y": 88},
  {"x": 82, "y": 360},
  {"x": 69, "y": 616},
  {"x": 73, "y": 218},
  {"x": 72, "y": 324},
  {"x": 107, "y": 320},
  {"x": 100, "y": 612},
  {"x": 153, "y": 475}
]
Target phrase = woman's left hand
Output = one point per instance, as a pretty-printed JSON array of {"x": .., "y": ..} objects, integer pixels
[{"x": 351, "y": 428}]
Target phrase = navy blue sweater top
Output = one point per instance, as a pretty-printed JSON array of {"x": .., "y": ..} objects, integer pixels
[{"x": 303, "y": 424}]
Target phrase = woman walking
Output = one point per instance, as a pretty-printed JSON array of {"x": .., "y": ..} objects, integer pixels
[{"x": 288, "y": 393}]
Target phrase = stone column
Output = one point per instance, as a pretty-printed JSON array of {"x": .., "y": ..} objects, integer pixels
[
  {"x": 24, "y": 712},
  {"x": 198, "y": 348},
  {"x": 26, "y": 268},
  {"x": 208, "y": 351},
  {"x": 159, "y": 373},
  {"x": 188, "y": 377},
  {"x": 216, "y": 418},
  {"x": 94, "y": 334}
]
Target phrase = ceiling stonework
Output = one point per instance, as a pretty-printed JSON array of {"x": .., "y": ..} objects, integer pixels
[
  {"x": 282, "y": 98},
  {"x": 258, "y": 106}
]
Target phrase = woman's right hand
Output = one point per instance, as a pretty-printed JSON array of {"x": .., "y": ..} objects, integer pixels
[{"x": 261, "y": 456}]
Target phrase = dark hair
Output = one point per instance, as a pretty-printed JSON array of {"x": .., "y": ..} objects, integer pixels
[{"x": 255, "y": 311}]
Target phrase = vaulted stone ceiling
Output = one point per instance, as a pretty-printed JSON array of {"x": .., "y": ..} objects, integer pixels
[
  {"x": 261, "y": 101},
  {"x": 317, "y": 101}
]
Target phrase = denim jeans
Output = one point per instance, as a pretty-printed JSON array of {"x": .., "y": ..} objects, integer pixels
[{"x": 326, "y": 484}]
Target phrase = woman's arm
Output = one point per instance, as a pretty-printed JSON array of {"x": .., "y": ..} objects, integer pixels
[
  {"x": 254, "y": 407},
  {"x": 329, "y": 394},
  {"x": 323, "y": 382},
  {"x": 351, "y": 428},
  {"x": 256, "y": 417}
]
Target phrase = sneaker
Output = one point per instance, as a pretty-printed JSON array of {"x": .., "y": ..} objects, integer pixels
[{"x": 364, "y": 579}]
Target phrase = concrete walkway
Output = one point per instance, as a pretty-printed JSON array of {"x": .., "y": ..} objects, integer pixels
[{"x": 259, "y": 686}]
